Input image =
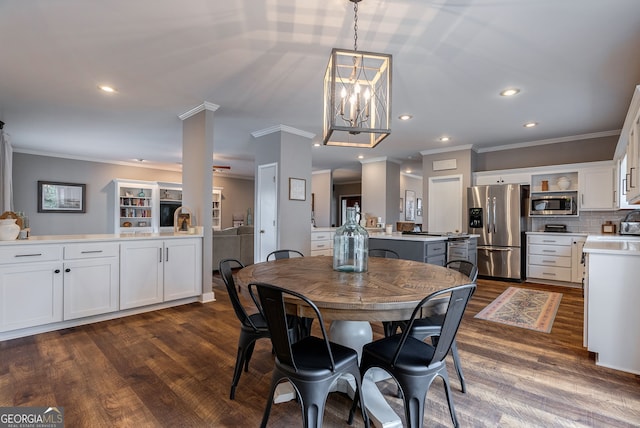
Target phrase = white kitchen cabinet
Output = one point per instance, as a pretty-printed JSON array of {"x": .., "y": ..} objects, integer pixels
[
  {"x": 577, "y": 259},
  {"x": 597, "y": 188},
  {"x": 91, "y": 281},
  {"x": 553, "y": 259},
  {"x": 154, "y": 271},
  {"x": 30, "y": 286},
  {"x": 629, "y": 143},
  {"x": 482, "y": 179},
  {"x": 182, "y": 265},
  {"x": 322, "y": 243}
]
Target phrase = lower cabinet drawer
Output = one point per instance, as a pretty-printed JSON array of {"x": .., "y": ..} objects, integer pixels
[
  {"x": 550, "y": 261},
  {"x": 439, "y": 260},
  {"x": 550, "y": 272},
  {"x": 91, "y": 250},
  {"x": 321, "y": 245},
  {"x": 326, "y": 252},
  {"x": 550, "y": 250}
]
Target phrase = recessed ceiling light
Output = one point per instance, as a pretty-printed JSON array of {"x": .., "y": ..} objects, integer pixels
[
  {"x": 444, "y": 139},
  {"x": 530, "y": 124},
  {"x": 107, "y": 88},
  {"x": 405, "y": 117},
  {"x": 509, "y": 92},
  {"x": 316, "y": 144},
  {"x": 360, "y": 156},
  {"x": 408, "y": 171}
]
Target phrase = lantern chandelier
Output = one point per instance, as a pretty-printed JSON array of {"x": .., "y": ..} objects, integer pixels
[{"x": 357, "y": 95}]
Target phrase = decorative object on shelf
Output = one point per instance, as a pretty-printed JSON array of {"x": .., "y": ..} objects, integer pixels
[
  {"x": 608, "y": 227},
  {"x": 564, "y": 183},
  {"x": 545, "y": 185},
  {"x": 9, "y": 230},
  {"x": 182, "y": 220},
  {"x": 351, "y": 245},
  {"x": 357, "y": 96},
  {"x": 127, "y": 224},
  {"x": 56, "y": 197},
  {"x": 249, "y": 217},
  {"x": 141, "y": 193},
  {"x": 297, "y": 189},
  {"x": 419, "y": 206}
]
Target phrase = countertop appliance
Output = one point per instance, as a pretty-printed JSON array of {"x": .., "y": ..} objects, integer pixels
[
  {"x": 631, "y": 224},
  {"x": 498, "y": 213}
]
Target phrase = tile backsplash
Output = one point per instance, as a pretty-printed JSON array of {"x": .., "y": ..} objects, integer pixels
[{"x": 588, "y": 221}]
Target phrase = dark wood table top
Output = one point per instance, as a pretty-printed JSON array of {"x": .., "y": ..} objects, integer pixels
[{"x": 388, "y": 291}]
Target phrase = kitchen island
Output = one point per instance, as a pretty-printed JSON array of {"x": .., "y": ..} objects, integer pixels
[
  {"x": 611, "y": 298},
  {"x": 427, "y": 248},
  {"x": 53, "y": 282}
]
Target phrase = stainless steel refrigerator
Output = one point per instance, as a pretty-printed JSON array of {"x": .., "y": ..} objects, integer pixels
[{"x": 498, "y": 213}]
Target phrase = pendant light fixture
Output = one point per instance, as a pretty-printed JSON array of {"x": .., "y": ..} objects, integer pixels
[{"x": 357, "y": 95}]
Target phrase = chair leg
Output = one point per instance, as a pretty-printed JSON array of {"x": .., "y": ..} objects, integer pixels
[
  {"x": 447, "y": 390},
  {"x": 456, "y": 364},
  {"x": 245, "y": 349},
  {"x": 248, "y": 355},
  {"x": 414, "y": 394},
  {"x": 237, "y": 371},
  {"x": 274, "y": 382}
]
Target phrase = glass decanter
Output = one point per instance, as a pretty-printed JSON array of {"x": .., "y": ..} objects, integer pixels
[{"x": 351, "y": 245}]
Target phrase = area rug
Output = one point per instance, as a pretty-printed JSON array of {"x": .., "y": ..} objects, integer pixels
[{"x": 520, "y": 307}]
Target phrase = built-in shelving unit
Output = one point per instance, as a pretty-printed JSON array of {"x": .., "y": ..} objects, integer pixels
[
  {"x": 217, "y": 208},
  {"x": 136, "y": 207}
]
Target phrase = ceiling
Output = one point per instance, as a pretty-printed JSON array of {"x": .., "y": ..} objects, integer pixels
[{"x": 575, "y": 62}]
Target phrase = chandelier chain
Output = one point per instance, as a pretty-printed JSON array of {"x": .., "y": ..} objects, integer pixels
[{"x": 355, "y": 26}]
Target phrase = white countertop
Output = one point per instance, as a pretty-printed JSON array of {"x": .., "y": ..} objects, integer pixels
[
  {"x": 613, "y": 244},
  {"x": 400, "y": 237},
  {"x": 542, "y": 232},
  {"x": 56, "y": 239}
]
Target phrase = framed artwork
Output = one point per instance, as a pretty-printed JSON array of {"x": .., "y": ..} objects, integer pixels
[
  {"x": 409, "y": 205},
  {"x": 419, "y": 207},
  {"x": 57, "y": 197},
  {"x": 297, "y": 189},
  {"x": 184, "y": 222}
]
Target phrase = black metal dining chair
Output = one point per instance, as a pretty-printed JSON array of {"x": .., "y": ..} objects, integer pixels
[
  {"x": 312, "y": 364},
  {"x": 413, "y": 363},
  {"x": 252, "y": 327},
  {"x": 382, "y": 252},
  {"x": 283, "y": 254}
]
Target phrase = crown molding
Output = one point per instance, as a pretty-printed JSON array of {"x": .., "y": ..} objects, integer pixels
[
  {"x": 549, "y": 141},
  {"x": 322, "y": 171},
  {"x": 282, "y": 128},
  {"x": 202, "y": 107},
  {"x": 446, "y": 150}
]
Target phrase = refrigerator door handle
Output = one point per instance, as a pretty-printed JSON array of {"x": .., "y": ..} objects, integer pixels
[
  {"x": 493, "y": 223},
  {"x": 493, "y": 248},
  {"x": 488, "y": 222}
]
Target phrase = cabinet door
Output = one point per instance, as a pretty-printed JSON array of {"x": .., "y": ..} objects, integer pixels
[
  {"x": 30, "y": 295},
  {"x": 140, "y": 273},
  {"x": 633, "y": 159},
  {"x": 577, "y": 263},
  {"x": 182, "y": 268},
  {"x": 597, "y": 188},
  {"x": 90, "y": 287}
]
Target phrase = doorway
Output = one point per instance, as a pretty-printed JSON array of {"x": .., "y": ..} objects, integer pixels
[
  {"x": 266, "y": 226},
  {"x": 349, "y": 201}
]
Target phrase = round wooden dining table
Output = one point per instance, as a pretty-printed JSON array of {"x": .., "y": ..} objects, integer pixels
[{"x": 388, "y": 291}]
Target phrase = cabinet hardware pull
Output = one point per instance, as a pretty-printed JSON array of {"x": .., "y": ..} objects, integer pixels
[
  {"x": 549, "y": 261},
  {"x": 56, "y": 271},
  {"x": 631, "y": 177},
  {"x": 28, "y": 255},
  {"x": 548, "y": 251},
  {"x": 166, "y": 252},
  {"x": 90, "y": 252},
  {"x": 625, "y": 182},
  {"x": 549, "y": 273},
  {"x": 160, "y": 250},
  {"x": 67, "y": 270}
]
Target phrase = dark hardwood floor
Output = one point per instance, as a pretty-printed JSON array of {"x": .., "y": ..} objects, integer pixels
[{"x": 172, "y": 368}]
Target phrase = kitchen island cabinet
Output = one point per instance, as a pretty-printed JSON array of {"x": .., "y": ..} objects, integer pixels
[
  {"x": 611, "y": 299},
  {"x": 53, "y": 282}
]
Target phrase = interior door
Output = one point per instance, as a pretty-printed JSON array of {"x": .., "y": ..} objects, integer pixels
[
  {"x": 266, "y": 232},
  {"x": 445, "y": 204}
]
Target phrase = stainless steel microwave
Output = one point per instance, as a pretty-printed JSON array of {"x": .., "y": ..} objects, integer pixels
[{"x": 557, "y": 204}]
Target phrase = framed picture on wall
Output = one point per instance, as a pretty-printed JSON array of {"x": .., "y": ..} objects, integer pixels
[
  {"x": 409, "y": 205},
  {"x": 297, "y": 189},
  {"x": 56, "y": 197}
]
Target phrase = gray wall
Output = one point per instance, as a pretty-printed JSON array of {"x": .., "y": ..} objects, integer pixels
[
  {"x": 321, "y": 183},
  {"x": 589, "y": 150},
  {"x": 237, "y": 197},
  {"x": 29, "y": 169}
]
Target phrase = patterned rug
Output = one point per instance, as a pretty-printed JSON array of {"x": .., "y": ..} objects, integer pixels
[{"x": 520, "y": 307}]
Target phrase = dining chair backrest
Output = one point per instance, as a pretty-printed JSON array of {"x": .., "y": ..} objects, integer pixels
[
  {"x": 458, "y": 298},
  {"x": 465, "y": 267},
  {"x": 271, "y": 299},
  {"x": 381, "y": 252},
  {"x": 283, "y": 254},
  {"x": 225, "y": 268}
]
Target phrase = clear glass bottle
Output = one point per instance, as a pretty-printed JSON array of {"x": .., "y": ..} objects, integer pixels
[{"x": 351, "y": 245}]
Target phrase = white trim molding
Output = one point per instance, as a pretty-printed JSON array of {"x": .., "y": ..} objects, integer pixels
[
  {"x": 282, "y": 128},
  {"x": 202, "y": 107}
]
